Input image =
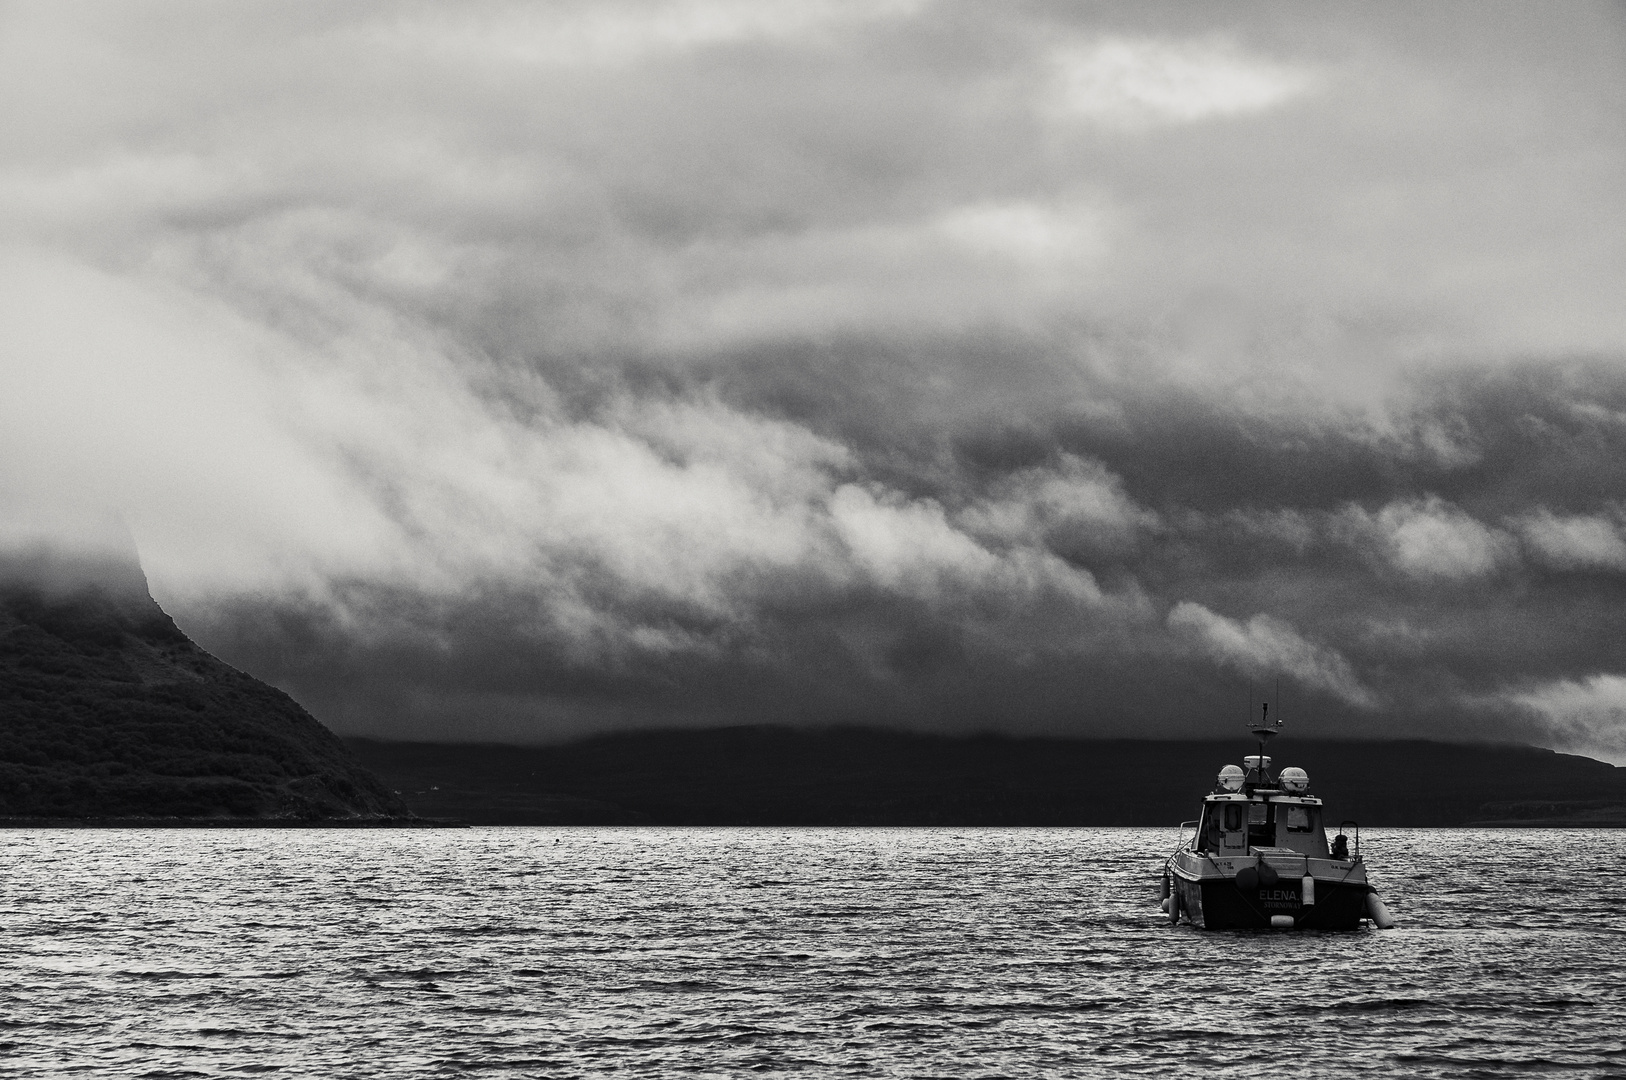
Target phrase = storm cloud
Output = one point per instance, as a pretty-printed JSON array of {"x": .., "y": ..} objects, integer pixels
[{"x": 517, "y": 371}]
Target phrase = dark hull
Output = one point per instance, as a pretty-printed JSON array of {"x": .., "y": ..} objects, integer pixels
[{"x": 1218, "y": 904}]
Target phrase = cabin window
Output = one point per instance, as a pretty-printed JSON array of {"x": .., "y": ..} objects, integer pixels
[
  {"x": 1261, "y": 830},
  {"x": 1233, "y": 817},
  {"x": 1298, "y": 819}
]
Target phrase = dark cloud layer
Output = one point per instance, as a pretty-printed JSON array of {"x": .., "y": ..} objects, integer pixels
[{"x": 515, "y": 371}]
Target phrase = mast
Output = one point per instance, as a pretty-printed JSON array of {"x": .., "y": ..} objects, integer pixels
[{"x": 1264, "y": 731}]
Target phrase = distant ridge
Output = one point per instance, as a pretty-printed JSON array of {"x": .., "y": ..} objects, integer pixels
[
  {"x": 109, "y": 713},
  {"x": 846, "y": 776}
]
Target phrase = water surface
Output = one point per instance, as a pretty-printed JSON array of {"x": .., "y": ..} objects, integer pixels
[{"x": 723, "y": 952}]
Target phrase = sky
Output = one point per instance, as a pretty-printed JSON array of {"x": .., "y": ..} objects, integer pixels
[{"x": 519, "y": 371}]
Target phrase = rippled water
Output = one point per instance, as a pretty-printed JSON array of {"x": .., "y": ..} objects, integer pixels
[{"x": 909, "y": 952}]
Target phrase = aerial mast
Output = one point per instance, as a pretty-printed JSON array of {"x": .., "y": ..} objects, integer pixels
[{"x": 1264, "y": 731}]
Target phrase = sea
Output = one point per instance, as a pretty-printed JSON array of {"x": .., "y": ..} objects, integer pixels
[{"x": 726, "y": 952}]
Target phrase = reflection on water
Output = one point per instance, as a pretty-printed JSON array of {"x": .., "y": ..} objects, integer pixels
[{"x": 655, "y": 952}]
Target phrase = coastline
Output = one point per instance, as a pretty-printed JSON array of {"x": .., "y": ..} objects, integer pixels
[{"x": 227, "y": 823}]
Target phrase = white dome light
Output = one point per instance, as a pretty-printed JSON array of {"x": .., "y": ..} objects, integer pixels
[
  {"x": 1231, "y": 777},
  {"x": 1295, "y": 780}
]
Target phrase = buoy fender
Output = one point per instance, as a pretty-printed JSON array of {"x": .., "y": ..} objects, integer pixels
[
  {"x": 1307, "y": 891},
  {"x": 1378, "y": 912}
]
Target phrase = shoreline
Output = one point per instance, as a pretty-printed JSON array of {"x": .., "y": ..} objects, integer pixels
[{"x": 227, "y": 823}]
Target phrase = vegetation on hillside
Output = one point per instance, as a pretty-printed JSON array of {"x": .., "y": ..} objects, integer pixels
[{"x": 108, "y": 710}]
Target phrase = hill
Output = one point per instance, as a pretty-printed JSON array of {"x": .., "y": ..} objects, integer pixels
[
  {"x": 779, "y": 776},
  {"x": 109, "y": 711}
]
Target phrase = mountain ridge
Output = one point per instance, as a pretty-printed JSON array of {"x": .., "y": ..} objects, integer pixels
[{"x": 764, "y": 775}]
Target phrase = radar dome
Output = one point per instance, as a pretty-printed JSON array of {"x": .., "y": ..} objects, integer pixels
[
  {"x": 1294, "y": 779},
  {"x": 1231, "y": 777}
]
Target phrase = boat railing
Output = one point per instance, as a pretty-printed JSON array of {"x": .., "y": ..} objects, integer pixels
[{"x": 1184, "y": 825}]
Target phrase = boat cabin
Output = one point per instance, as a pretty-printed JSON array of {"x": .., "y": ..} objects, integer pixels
[{"x": 1233, "y": 823}]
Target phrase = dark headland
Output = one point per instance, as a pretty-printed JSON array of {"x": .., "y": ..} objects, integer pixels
[
  {"x": 109, "y": 714},
  {"x": 780, "y": 776}
]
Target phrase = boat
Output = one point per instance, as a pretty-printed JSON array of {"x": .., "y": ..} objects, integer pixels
[{"x": 1259, "y": 857}]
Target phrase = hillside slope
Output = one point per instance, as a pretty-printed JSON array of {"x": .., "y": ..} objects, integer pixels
[{"x": 108, "y": 710}]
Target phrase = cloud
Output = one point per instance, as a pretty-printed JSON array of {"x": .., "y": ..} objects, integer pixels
[
  {"x": 1586, "y": 714},
  {"x": 905, "y": 545},
  {"x": 1429, "y": 540},
  {"x": 1264, "y": 646},
  {"x": 1135, "y": 83},
  {"x": 1074, "y": 503},
  {"x": 621, "y": 34},
  {"x": 148, "y": 401},
  {"x": 1573, "y": 542}
]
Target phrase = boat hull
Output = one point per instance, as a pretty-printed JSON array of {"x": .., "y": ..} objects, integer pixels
[{"x": 1215, "y": 900}]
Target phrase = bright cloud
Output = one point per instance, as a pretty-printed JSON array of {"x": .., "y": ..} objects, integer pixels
[
  {"x": 1135, "y": 83},
  {"x": 1074, "y": 501},
  {"x": 1574, "y": 542},
  {"x": 1429, "y": 540},
  {"x": 1264, "y": 646}
]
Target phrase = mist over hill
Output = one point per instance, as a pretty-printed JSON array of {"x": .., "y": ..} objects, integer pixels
[{"x": 109, "y": 711}]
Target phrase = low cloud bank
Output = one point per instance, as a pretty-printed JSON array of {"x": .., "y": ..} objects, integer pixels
[{"x": 1587, "y": 713}]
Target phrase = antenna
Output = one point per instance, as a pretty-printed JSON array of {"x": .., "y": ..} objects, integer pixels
[{"x": 1264, "y": 731}]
